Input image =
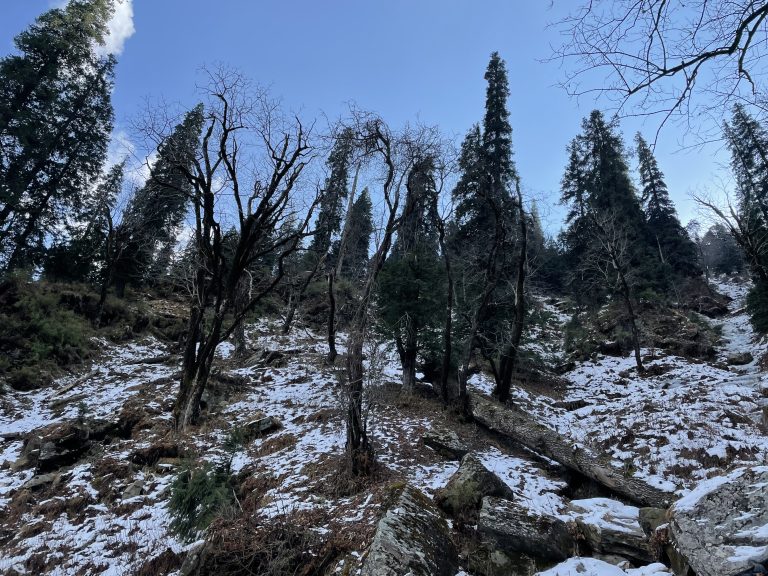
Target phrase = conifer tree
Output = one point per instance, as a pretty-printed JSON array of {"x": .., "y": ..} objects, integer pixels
[
  {"x": 605, "y": 242},
  {"x": 674, "y": 248},
  {"x": 596, "y": 184},
  {"x": 156, "y": 211},
  {"x": 55, "y": 121},
  {"x": 335, "y": 192},
  {"x": 355, "y": 265},
  {"x": 410, "y": 294},
  {"x": 485, "y": 235}
]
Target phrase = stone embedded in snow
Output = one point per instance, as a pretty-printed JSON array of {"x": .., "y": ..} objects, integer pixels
[
  {"x": 446, "y": 443},
  {"x": 721, "y": 526},
  {"x": 512, "y": 529},
  {"x": 610, "y": 527},
  {"x": 412, "y": 538},
  {"x": 740, "y": 359},
  {"x": 465, "y": 490}
]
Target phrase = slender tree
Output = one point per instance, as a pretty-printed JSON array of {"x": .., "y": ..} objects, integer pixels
[
  {"x": 157, "y": 209},
  {"x": 674, "y": 247}
]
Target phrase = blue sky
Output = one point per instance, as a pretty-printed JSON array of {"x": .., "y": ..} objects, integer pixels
[{"x": 405, "y": 59}]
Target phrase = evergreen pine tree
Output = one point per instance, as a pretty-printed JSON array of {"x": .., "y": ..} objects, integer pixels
[
  {"x": 84, "y": 257},
  {"x": 355, "y": 265},
  {"x": 596, "y": 186},
  {"x": 410, "y": 296},
  {"x": 55, "y": 121},
  {"x": 485, "y": 233},
  {"x": 152, "y": 218},
  {"x": 674, "y": 247},
  {"x": 331, "y": 203}
]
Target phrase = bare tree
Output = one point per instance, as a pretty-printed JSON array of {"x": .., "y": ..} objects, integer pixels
[
  {"x": 608, "y": 259},
  {"x": 248, "y": 168},
  {"x": 394, "y": 154},
  {"x": 668, "y": 57}
]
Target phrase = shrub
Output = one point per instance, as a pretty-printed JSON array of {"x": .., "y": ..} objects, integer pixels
[{"x": 199, "y": 494}]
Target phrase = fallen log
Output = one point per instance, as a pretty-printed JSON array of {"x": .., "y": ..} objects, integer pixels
[{"x": 523, "y": 429}]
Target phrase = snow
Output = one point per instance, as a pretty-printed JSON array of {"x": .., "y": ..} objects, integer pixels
[
  {"x": 593, "y": 567},
  {"x": 676, "y": 430}
]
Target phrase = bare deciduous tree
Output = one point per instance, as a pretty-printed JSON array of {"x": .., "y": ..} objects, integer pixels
[
  {"x": 394, "y": 154},
  {"x": 248, "y": 169},
  {"x": 668, "y": 57},
  {"x": 608, "y": 259}
]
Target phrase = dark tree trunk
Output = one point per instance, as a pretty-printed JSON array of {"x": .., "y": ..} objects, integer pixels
[
  {"x": 632, "y": 322},
  {"x": 331, "y": 358},
  {"x": 358, "y": 448},
  {"x": 408, "y": 350},
  {"x": 509, "y": 358}
]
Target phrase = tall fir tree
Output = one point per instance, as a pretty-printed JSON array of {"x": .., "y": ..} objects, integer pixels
[
  {"x": 335, "y": 192},
  {"x": 356, "y": 258},
  {"x": 748, "y": 142},
  {"x": 411, "y": 297},
  {"x": 674, "y": 247},
  {"x": 55, "y": 120},
  {"x": 597, "y": 186},
  {"x": 485, "y": 232},
  {"x": 154, "y": 214}
]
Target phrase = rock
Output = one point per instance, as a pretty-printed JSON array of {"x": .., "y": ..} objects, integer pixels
[
  {"x": 41, "y": 480},
  {"x": 651, "y": 518},
  {"x": 262, "y": 425},
  {"x": 508, "y": 527},
  {"x": 447, "y": 443},
  {"x": 487, "y": 561},
  {"x": 56, "y": 445},
  {"x": 612, "y": 528},
  {"x": 150, "y": 455},
  {"x": 463, "y": 494},
  {"x": 740, "y": 359},
  {"x": 133, "y": 490},
  {"x": 193, "y": 560},
  {"x": 721, "y": 527},
  {"x": 610, "y": 348},
  {"x": 412, "y": 538}
]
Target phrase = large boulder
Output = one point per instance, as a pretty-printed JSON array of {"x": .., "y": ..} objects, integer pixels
[
  {"x": 612, "y": 528},
  {"x": 513, "y": 529},
  {"x": 721, "y": 527},
  {"x": 412, "y": 538},
  {"x": 463, "y": 494},
  {"x": 446, "y": 442}
]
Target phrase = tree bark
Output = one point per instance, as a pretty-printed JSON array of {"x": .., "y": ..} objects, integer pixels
[
  {"x": 509, "y": 358},
  {"x": 332, "y": 354},
  {"x": 523, "y": 429}
]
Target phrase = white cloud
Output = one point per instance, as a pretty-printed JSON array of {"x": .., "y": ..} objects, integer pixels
[{"x": 120, "y": 28}]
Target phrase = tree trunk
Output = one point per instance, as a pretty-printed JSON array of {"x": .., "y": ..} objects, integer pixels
[
  {"x": 632, "y": 322},
  {"x": 523, "y": 429},
  {"x": 358, "y": 447},
  {"x": 408, "y": 351},
  {"x": 509, "y": 359},
  {"x": 331, "y": 358}
]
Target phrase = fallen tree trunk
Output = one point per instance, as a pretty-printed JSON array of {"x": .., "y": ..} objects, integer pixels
[{"x": 523, "y": 429}]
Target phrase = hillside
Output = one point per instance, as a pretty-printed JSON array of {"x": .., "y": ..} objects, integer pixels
[{"x": 87, "y": 464}]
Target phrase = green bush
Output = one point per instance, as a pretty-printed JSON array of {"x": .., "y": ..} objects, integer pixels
[
  {"x": 37, "y": 333},
  {"x": 199, "y": 494}
]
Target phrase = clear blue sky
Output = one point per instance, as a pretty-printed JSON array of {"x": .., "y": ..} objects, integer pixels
[{"x": 405, "y": 59}]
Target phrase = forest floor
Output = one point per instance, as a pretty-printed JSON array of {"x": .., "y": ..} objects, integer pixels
[{"x": 107, "y": 512}]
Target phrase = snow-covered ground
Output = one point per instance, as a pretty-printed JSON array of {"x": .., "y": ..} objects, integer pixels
[{"x": 687, "y": 421}]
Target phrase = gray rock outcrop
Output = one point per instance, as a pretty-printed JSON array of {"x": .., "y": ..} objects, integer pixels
[
  {"x": 412, "y": 538},
  {"x": 721, "y": 527}
]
